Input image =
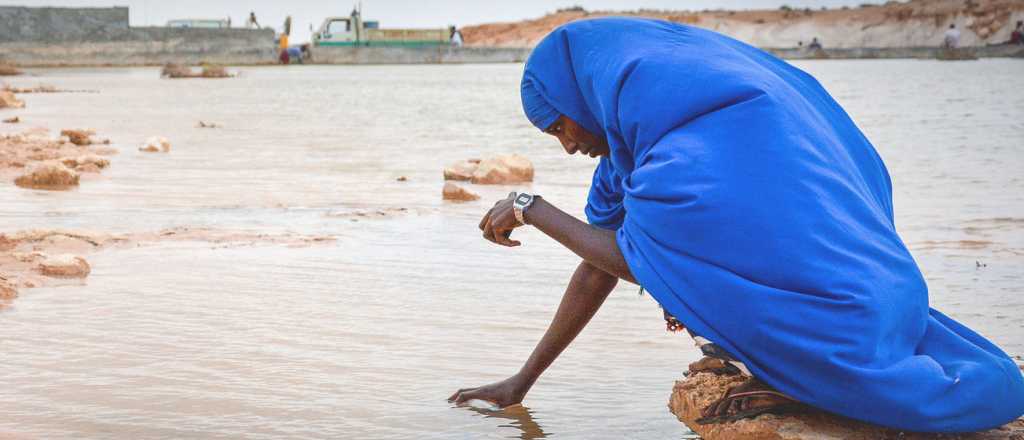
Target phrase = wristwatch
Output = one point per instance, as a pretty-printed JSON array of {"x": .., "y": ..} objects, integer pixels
[{"x": 523, "y": 202}]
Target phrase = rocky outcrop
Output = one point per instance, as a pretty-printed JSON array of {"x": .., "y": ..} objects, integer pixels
[
  {"x": 8, "y": 100},
  {"x": 499, "y": 170},
  {"x": 48, "y": 176},
  {"x": 25, "y": 151},
  {"x": 156, "y": 144},
  {"x": 691, "y": 395},
  {"x": 457, "y": 193},
  {"x": 461, "y": 170},
  {"x": 894, "y": 24},
  {"x": 64, "y": 266},
  {"x": 503, "y": 170}
]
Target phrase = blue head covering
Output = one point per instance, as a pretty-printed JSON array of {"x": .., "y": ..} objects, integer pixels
[{"x": 753, "y": 209}]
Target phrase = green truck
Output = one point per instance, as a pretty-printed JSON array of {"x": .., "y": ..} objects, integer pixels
[{"x": 354, "y": 31}]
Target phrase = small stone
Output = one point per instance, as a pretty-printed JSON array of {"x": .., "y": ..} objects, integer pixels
[
  {"x": 78, "y": 137},
  {"x": 64, "y": 266},
  {"x": 402, "y": 178},
  {"x": 156, "y": 144},
  {"x": 457, "y": 193},
  {"x": 48, "y": 176},
  {"x": 13, "y": 120}
]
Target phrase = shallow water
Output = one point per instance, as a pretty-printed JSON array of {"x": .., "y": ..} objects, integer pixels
[{"x": 366, "y": 337}]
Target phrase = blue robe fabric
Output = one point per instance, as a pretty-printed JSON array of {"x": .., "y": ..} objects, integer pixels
[{"x": 751, "y": 207}]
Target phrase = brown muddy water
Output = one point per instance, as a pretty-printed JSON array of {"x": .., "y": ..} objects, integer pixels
[{"x": 365, "y": 337}]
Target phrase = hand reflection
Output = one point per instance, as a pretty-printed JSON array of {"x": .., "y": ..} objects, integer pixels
[{"x": 521, "y": 417}]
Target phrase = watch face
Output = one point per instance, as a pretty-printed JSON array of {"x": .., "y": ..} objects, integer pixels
[{"x": 523, "y": 198}]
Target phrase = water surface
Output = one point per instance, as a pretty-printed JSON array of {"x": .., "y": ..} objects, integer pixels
[{"x": 366, "y": 337}]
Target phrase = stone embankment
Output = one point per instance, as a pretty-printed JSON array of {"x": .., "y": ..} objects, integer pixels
[{"x": 696, "y": 392}]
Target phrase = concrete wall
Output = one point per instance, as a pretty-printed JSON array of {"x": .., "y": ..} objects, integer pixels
[
  {"x": 35, "y": 37},
  {"x": 416, "y": 55}
]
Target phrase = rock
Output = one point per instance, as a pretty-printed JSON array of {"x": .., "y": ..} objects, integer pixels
[
  {"x": 171, "y": 70},
  {"x": 457, "y": 193},
  {"x": 156, "y": 144},
  {"x": 208, "y": 125},
  {"x": 78, "y": 137},
  {"x": 89, "y": 163},
  {"x": 64, "y": 266},
  {"x": 691, "y": 395},
  {"x": 49, "y": 176},
  {"x": 8, "y": 100},
  {"x": 501, "y": 170},
  {"x": 13, "y": 120},
  {"x": 214, "y": 71},
  {"x": 402, "y": 179},
  {"x": 461, "y": 170}
]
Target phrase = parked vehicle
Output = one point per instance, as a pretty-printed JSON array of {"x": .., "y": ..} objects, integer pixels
[{"x": 353, "y": 31}]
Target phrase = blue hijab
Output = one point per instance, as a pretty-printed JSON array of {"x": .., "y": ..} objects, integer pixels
[{"x": 751, "y": 207}]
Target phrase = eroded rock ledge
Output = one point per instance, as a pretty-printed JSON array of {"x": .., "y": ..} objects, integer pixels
[{"x": 694, "y": 393}]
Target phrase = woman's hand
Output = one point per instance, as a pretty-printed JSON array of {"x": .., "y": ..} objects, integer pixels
[
  {"x": 499, "y": 222},
  {"x": 503, "y": 394}
]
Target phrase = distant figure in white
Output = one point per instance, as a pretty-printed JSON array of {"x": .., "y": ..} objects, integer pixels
[
  {"x": 456, "y": 36},
  {"x": 952, "y": 40},
  {"x": 251, "y": 22}
]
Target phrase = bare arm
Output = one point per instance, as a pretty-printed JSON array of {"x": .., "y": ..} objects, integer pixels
[
  {"x": 595, "y": 245},
  {"x": 593, "y": 280},
  {"x": 587, "y": 290}
]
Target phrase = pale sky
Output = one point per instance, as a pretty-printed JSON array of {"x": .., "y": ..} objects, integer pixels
[{"x": 396, "y": 13}]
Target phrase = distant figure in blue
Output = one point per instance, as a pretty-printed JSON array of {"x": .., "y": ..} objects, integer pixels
[{"x": 736, "y": 191}]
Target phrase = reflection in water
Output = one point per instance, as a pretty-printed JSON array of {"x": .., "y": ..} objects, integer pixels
[{"x": 521, "y": 417}]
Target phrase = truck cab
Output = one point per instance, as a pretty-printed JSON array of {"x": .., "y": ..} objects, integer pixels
[
  {"x": 336, "y": 30},
  {"x": 343, "y": 31},
  {"x": 353, "y": 31}
]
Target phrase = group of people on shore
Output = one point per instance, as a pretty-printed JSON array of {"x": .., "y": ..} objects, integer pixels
[{"x": 951, "y": 39}]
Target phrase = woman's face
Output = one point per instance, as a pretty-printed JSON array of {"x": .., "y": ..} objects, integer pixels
[{"x": 575, "y": 138}]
